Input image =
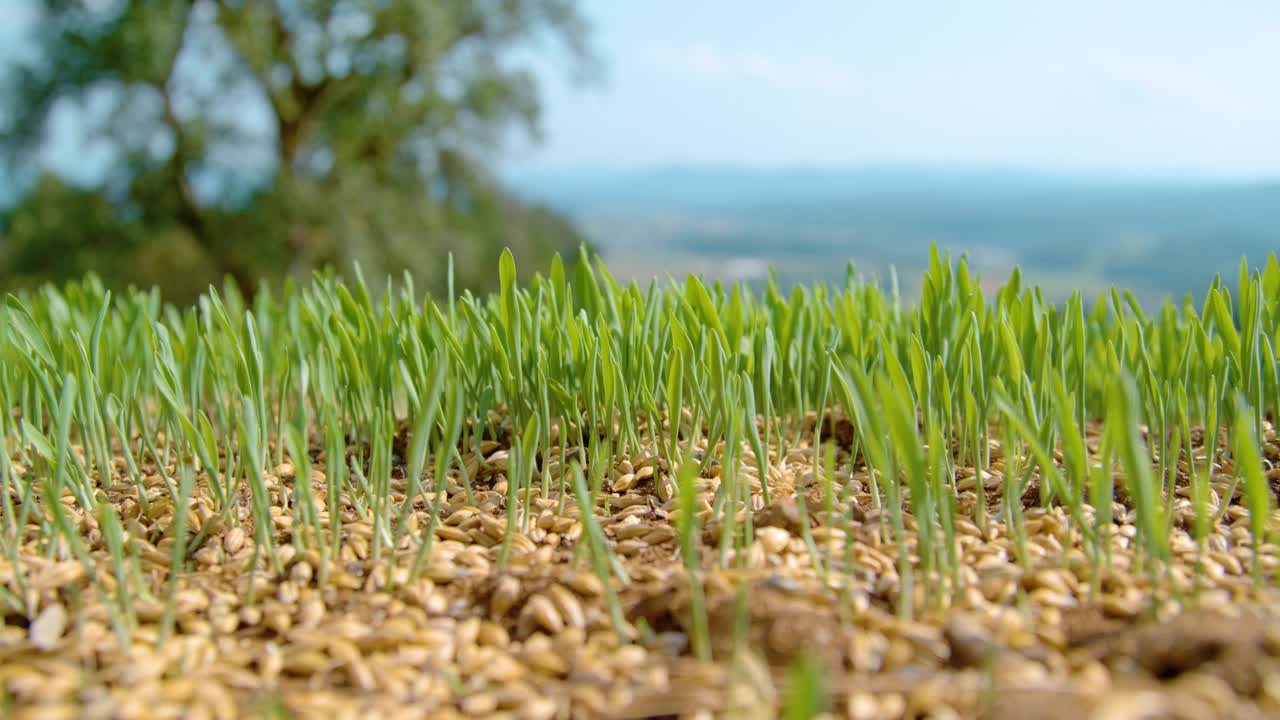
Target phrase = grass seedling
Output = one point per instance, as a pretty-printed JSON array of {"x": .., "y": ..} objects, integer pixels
[
  {"x": 1257, "y": 491},
  {"x": 599, "y": 552},
  {"x": 122, "y": 419},
  {"x": 687, "y": 535},
  {"x": 805, "y": 696},
  {"x": 186, "y": 486}
]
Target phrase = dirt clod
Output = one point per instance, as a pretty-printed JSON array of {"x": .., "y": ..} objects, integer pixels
[
  {"x": 969, "y": 643},
  {"x": 781, "y": 513},
  {"x": 1228, "y": 646}
]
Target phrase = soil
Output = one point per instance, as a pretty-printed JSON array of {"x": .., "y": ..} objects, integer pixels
[{"x": 1045, "y": 632}]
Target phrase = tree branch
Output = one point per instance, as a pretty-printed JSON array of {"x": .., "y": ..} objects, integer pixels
[{"x": 189, "y": 213}]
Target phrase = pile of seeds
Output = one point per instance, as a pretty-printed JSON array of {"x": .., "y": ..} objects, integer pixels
[
  {"x": 533, "y": 639},
  {"x": 577, "y": 501}
]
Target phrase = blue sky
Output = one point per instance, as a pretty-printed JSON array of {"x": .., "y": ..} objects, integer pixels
[
  {"x": 1131, "y": 87},
  {"x": 15, "y": 17}
]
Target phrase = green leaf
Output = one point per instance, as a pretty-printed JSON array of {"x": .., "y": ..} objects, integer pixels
[
  {"x": 1257, "y": 491},
  {"x": 697, "y": 294},
  {"x": 806, "y": 694},
  {"x": 1223, "y": 323},
  {"x": 1122, "y": 424}
]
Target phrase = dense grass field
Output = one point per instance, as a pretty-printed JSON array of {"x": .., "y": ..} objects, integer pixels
[{"x": 579, "y": 499}]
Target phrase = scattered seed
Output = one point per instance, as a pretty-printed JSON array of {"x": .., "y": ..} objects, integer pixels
[{"x": 46, "y": 630}]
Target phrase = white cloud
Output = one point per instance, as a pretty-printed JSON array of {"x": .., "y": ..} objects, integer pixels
[
  {"x": 756, "y": 66},
  {"x": 1179, "y": 86}
]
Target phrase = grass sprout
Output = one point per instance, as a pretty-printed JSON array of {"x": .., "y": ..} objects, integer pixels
[{"x": 346, "y": 440}]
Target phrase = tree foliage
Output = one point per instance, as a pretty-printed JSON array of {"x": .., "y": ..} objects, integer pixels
[{"x": 267, "y": 139}]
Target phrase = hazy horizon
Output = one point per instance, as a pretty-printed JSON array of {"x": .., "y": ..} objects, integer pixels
[
  {"x": 888, "y": 168},
  {"x": 1158, "y": 237}
]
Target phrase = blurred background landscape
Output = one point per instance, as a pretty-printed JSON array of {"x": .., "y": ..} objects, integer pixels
[
  {"x": 1159, "y": 238},
  {"x": 176, "y": 143}
]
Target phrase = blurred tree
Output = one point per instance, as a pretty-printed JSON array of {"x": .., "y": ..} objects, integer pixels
[{"x": 265, "y": 139}]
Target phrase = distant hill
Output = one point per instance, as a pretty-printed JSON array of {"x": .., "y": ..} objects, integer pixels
[
  {"x": 1158, "y": 236},
  {"x": 709, "y": 187}
]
